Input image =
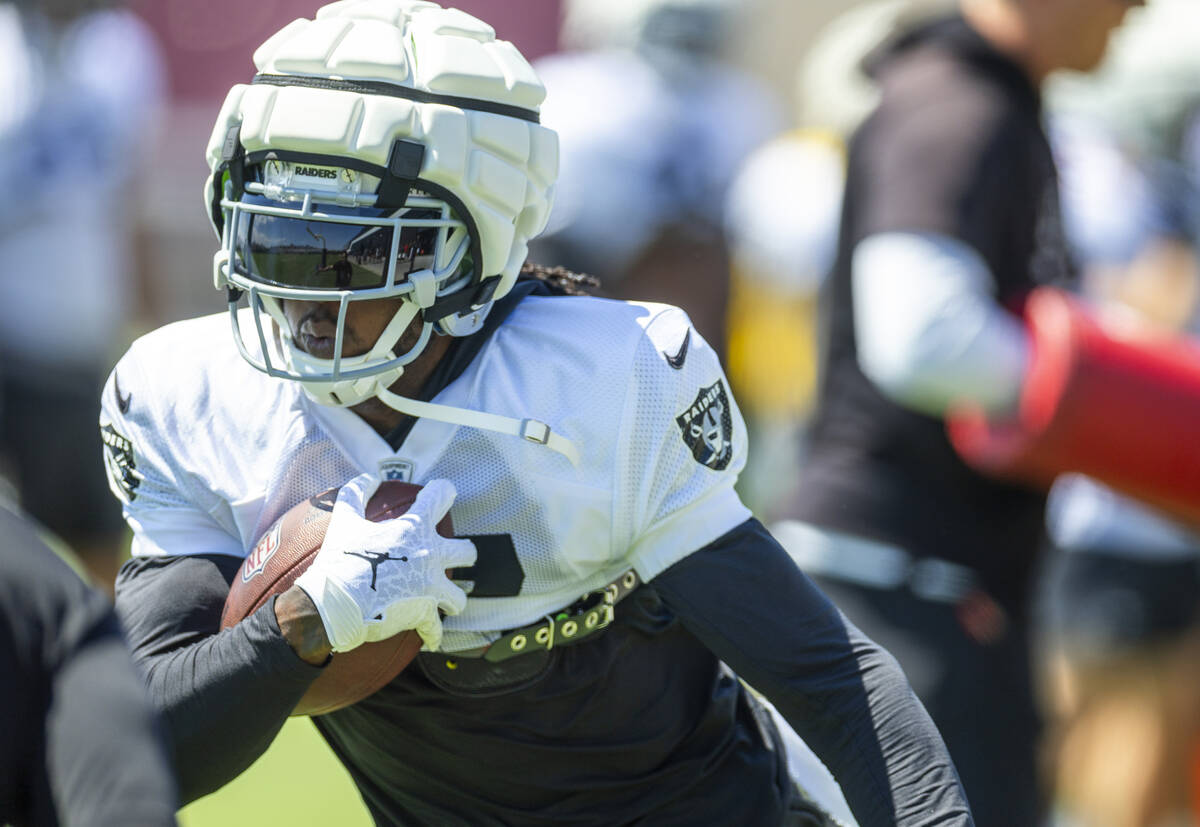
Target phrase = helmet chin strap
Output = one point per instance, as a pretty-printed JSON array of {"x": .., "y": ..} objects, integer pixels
[
  {"x": 351, "y": 392},
  {"x": 530, "y": 430}
]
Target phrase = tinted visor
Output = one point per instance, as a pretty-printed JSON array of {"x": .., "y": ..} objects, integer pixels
[{"x": 309, "y": 253}]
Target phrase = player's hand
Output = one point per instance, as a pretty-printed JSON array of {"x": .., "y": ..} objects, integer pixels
[{"x": 373, "y": 580}]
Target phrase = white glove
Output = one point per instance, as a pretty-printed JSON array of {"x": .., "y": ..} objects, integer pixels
[{"x": 373, "y": 580}]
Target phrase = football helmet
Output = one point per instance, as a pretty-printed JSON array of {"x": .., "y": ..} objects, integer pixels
[{"x": 387, "y": 149}]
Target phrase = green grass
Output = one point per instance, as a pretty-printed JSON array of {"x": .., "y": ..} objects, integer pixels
[{"x": 297, "y": 782}]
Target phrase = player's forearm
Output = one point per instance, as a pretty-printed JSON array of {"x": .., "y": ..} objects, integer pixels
[
  {"x": 895, "y": 769},
  {"x": 744, "y": 598},
  {"x": 222, "y": 695},
  {"x": 224, "y": 699}
]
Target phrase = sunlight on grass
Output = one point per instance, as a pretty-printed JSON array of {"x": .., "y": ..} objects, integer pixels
[{"x": 298, "y": 782}]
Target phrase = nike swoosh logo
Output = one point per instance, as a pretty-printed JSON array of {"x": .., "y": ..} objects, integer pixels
[
  {"x": 676, "y": 361},
  {"x": 122, "y": 401}
]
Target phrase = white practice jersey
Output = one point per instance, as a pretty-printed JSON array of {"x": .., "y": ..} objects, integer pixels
[{"x": 206, "y": 453}]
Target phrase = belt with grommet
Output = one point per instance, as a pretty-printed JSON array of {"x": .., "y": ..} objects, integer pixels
[{"x": 583, "y": 618}]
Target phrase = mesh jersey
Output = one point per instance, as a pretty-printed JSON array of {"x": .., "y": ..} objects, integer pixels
[{"x": 206, "y": 453}]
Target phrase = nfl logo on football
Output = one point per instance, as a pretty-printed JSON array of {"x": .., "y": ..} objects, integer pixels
[
  {"x": 396, "y": 469},
  {"x": 256, "y": 561}
]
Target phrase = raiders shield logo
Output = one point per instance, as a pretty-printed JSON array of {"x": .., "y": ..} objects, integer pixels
[
  {"x": 707, "y": 427},
  {"x": 123, "y": 477}
]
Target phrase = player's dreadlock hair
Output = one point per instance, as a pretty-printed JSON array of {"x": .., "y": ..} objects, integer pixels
[{"x": 561, "y": 280}]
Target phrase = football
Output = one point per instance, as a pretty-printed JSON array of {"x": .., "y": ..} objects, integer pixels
[{"x": 283, "y": 552}]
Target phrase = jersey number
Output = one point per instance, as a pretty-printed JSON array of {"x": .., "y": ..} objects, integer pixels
[{"x": 497, "y": 571}]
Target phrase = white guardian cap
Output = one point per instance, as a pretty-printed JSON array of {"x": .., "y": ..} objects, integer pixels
[{"x": 385, "y": 149}]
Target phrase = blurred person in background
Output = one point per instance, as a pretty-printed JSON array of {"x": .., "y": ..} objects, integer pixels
[
  {"x": 782, "y": 224},
  {"x": 79, "y": 84},
  {"x": 950, "y": 217},
  {"x": 1122, "y": 602},
  {"x": 644, "y": 102},
  {"x": 79, "y": 743},
  {"x": 782, "y": 218}
]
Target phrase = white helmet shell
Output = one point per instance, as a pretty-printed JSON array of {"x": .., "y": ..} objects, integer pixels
[
  {"x": 502, "y": 167},
  {"x": 365, "y": 76}
]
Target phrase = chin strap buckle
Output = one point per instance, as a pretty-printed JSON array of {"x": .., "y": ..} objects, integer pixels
[
  {"x": 535, "y": 431},
  {"x": 531, "y": 430}
]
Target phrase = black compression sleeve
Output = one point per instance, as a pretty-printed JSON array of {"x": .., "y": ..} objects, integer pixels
[
  {"x": 746, "y": 600},
  {"x": 223, "y": 694}
]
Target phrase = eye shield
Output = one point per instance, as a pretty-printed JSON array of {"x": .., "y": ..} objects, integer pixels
[
  {"x": 310, "y": 227},
  {"x": 340, "y": 248}
]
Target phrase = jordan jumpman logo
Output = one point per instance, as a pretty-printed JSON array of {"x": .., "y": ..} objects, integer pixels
[{"x": 375, "y": 558}]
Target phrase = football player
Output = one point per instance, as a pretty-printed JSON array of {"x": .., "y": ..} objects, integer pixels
[{"x": 573, "y": 671}]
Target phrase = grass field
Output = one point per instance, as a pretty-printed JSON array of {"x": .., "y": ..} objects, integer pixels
[{"x": 298, "y": 782}]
